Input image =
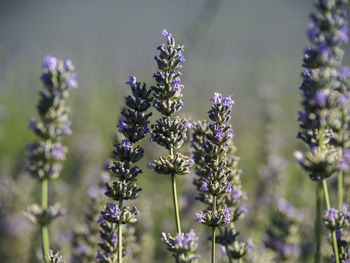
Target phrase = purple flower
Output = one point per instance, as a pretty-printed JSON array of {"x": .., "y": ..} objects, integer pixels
[
  {"x": 228, "y": 188},
  {"x": 113, "y": 210},
  {"x": 322, "y": 49},
  {"x": 68, "y": 65},
  {"x": 188, "y": 123},
  {"x": 164, "y": 238},
  {"x": 344, "y": 71},
  {"x": 344, "y": 209},
  {"x": 230, "y": 134},
  {"x": 217, "y": 98},
  {"x": 121, "y": 124},
  {"x": 320, "y": 98},
  {"x": 176, "y": 84},
  {"x": 66, "y": 128},
  {"x": 49, "y": 63},
  {"x": 243, "y": 209},
  {"x": 346, "y": 154},
  {"x": 100, "y": 220},
  {"x": 131, "y": 82},
  {"x": 218, "y": 134},
  {"x": 151, "y": 166},
  {"x": 94, "y": 191},
  {"x": 81, "y": 249},
  {"x": 343, "y": 34},
  {"x": 114, "y": 238},
  {"x": 190, "y": 160},
  {"x": 72, "y": 81},
  {"x": 204, "y": 186},
  {"x": 227, "y": 215},
  {"x": 166, "y": 34},
  {"x": 126, "y": 144},
  {"x": 312, "y": 31},
  {"x": 227, "y": 101},
  {"x": 180, "y": 56},
  {"x": 331, "y": 214},
  {"x": 301, "y": 116},
  {"x": 344, "y": 165},
  {"x": 313, "y": 147},
  {"x": 285, "y": 207},
  {"x": 199, "y": 217},
  {"x": 342, "y": 99},
  {"x": 32, "y": 124},
  {"x": 57, "y": 152},
  {"x": 250, "y": 243}
]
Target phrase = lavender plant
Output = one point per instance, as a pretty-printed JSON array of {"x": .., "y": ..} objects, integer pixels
[
  {"x": 218, "y": 178},
  {"x": 282, "y": 235},
  {"x": 133, "y": 125},
  {"x": 324, "y": 119},
  {"x": 170, "y": 133},
  {"x": 46, "y": 154},
  {"x": 85, "y": 236}
]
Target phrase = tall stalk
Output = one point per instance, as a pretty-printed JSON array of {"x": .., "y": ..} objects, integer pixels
[
  {"x": 44, "y": 228},
  {"x": 213, "y": 233},
  {"x": 318, "y": 221}
]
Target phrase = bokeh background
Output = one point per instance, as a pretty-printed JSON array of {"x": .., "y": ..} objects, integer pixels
[{"x": 250, "y": 49}]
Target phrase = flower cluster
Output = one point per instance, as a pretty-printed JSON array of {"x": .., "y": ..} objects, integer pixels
[
  {"x": 218, "y": 176},
  {"x": 335, "y": 219},
  {"x": 324, "y": 120},
  {"x": 183, "y": 246},
  {"x": 86, "y": 234},
  {"x": 133, "y": 125},
  {"x": 171, "y": 133},
  {"x": 46, "y": 156},
  {"x": 282, "y": 235}
]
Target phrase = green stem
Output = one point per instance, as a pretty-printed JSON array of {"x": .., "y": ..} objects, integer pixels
[
  {"x": 44, "y": 228},
  {"x": 175, "y": 201},
  {"x": 318, "y": 221},
  {"x": 213, "y": 234},
  {"x": 228, "y": 254},
  {"x": 120, "y": 234},
  {"x": 328, "y": 206},
  {"x": 340, "y": 190}
]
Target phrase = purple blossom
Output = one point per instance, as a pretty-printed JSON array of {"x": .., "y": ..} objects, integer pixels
[
  {"x": 114, "y": 238},
  {"x": 81, "y": 249},
  {"x": 301, "y": 116},
  {"x": 121, "y": 124},
  {"x": 188, "y": 123},
  {"x": 227, "y": 215},
  {"x": 343, "y": 34},
  {"x": 320, "y": 98},
  {"x": 243, "y": 209},
  {"x": 131, "y": 82},
  {"x": 57, "y": 152},
  {"x": 322, "y": 49},
  {"x": 344, "y": 209},
  {"x": 312, "y": 31},
  {"x": 228, "y": 188},
  {"x": 180, "y": 57},
  {"x": 331, "y": 214},
  {"x": 100, "y": 220},
  {"x": 346, "y": 154},
  {"x": 227, "y": 101},
  {"x": 49, "y": 63},
  {"x": 94, "y": 191},
  {"x": 151, "y": 166},
  {"x": 66, "y": 128},
  {"x": 342, "y": 99},
  {"x": 285, "y": 207},
  {"x": 32, "y": 124},
  {"x": 344, "y": 165},
  {"x": 250, "y": 243},
  {"x": 68, "y": 65},
  {"x": 313, "y": 147},
  {"x": 218, "y": 134},
  {"x": 166, "y": 34},
  {"x": 126, "y": 144},
  {"x": 176, "y": 84},
  {"x": 72, "y": 81},
  {"x": 217, "y": 99},
  {"x": 113, "y": 209},
  {"x": 308, "y": 52},
  {"x": 230, "y": 134},
  {"x": 190, "y": 160},
  {"x": 199, "y": 217},
  {"x": 344, "y": 71},
  {"x": 164, "y": 238},
  {"x": 204, "y": 186}
]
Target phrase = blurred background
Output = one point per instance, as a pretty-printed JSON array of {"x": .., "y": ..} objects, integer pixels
[{"x": 250, "y": 49}]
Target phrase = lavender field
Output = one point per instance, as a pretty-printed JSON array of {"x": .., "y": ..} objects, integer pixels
[{"x": 174, "y": 131}]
